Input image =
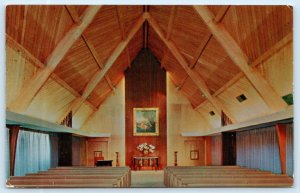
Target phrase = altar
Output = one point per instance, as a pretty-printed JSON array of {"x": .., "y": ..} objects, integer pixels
[{"x": 140, "y": 162}]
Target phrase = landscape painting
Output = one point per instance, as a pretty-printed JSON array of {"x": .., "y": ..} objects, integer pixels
[{"x": 145, "y": 122}]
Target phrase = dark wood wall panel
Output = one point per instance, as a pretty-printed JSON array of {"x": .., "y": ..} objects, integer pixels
[
  {"x": 216, "y": 150},
  {"x": 145, "y": 86}
]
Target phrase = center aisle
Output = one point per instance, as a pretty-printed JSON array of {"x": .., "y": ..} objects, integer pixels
[{"x": 147, "y": 179}]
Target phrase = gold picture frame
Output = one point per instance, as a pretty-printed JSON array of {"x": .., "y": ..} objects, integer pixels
[{"x": 145, "y": 121}]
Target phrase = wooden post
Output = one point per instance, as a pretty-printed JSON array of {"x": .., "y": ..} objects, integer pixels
[
  {"x": 208, "y": 156},
  {"x": 281, "y": 134},
  {"x": 175, "y": 158},
  {"x": 117, "y": 159},
  {"x": 13, "y": 137}
]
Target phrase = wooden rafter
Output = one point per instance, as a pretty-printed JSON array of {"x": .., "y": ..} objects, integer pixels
[
  {"x": 197, "y": 56},
  {"x": 268, "y": 94},
  {"x": 74, "y": 15},
  {"x": 193, "y": 75},
  {"x": 71, "y": 90},
  {"x": 29, "y": 91},
  {"x": 36, "y": 62},
  {"x": 101, "y": 73},
  {"x": 265, "y": 56},
  {"x": 221, "y": 13}
]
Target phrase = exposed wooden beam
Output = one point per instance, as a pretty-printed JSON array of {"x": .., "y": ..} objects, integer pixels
[
  {"x": 74, "y": 15},
  {"x": 101, "y": 73},
  {"x": 193, "y": 75},
  {"x": 183, "y": 82},
  {"x": 70, "y": 89},
  {"x": 268, "y": 94},
  {"x": 121, "y": 24},
  {"x": 200, "y": 50},
  {"x": 29, "y": 91},
  {"x": 36, "y": 62},
  {"x": 281, "y": 136},
  {"x": 265, "y": 56},
  {"x": 221, "y": 13},
  {"x": 171, "y": 21},
  {"x": 24, "y": 52},
  {"x": 278, "y": 46}
]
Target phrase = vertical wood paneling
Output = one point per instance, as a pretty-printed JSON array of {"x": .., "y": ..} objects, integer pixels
[
  {"x": 51, "y": 101},
  {"x": 145, "y": 86},
  {"x": 258, "y": 148},
  {"x": 18, "y": 71},
  {"x": 216, "y": 144},
  {"x": 278, "y": 70}
]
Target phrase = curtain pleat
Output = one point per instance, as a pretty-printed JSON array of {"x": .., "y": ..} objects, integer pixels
[
  {"x": 33, "y": 152},
  {"x": 258, "y": 148}
]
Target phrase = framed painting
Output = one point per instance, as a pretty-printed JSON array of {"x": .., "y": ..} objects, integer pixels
[{"x": 145, "y": 121}]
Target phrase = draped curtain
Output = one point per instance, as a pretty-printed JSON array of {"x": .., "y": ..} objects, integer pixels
[
  {"x": 33, "y": 152},
  {"x": 258, "y": 148}
]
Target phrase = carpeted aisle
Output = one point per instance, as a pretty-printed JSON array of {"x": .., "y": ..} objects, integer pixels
[{"x": 147, "y": 179}]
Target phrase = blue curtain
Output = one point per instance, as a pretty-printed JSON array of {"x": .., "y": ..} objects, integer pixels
[
  {"x": 33, "y": 152},
  {"x": 258, "y": 148}
]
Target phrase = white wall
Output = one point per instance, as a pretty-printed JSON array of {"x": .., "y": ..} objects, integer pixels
[
  {"x": 110, "y": 118},
  {"x": 181, "y": 117}
]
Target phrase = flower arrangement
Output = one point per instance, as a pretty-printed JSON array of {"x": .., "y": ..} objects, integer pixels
[{"x": 146, "y": 148}]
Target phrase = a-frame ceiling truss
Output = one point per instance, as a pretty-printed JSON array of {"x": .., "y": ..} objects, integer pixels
[
  {"x": 269, "y": 95},
  {"x": 89, "y": 44},
  {"x": 216, "y": 30},
  {"x": 28, "y": 92},
  {"x": 192, "y": 74},
  {"x": 101, "y": 73}
]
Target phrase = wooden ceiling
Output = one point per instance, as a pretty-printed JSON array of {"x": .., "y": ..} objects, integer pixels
[{"x": 182, "y": 38}]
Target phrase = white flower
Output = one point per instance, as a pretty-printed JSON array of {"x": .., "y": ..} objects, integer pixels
[{"x": 145, "y": 146}]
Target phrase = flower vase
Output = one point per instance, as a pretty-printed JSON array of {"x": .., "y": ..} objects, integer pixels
[{"x": 145, "y": 152}]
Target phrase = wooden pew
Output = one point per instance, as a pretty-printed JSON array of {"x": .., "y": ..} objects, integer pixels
[
  {"x": 223, "y": 176},
  {"x": 76, "y": 177}
]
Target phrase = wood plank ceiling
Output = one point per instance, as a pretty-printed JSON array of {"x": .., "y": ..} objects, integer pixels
[{"x": 39, "y": 30}]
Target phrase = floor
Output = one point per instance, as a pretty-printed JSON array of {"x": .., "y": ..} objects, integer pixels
[{"x": 147, "y": 179}]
